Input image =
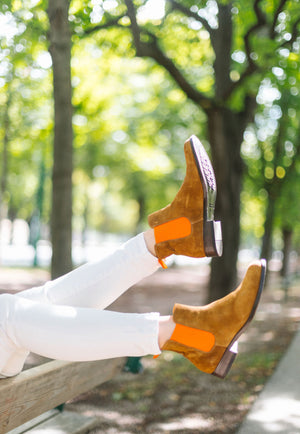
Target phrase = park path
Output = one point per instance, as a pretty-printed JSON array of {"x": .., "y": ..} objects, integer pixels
[{"x": 277, "y": 409}]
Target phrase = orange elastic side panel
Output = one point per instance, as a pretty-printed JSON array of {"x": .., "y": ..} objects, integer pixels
[
  {"x": 178, "y": 228},
  {"x": 198, "y": 339}
]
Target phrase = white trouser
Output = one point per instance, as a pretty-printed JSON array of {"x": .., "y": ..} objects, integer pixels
[{"x": 64, "y": 319}]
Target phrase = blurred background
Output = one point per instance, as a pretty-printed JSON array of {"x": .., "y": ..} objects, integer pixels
[{"x": 96, "y": 100}]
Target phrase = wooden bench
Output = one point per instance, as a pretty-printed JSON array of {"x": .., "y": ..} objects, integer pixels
[{"x": 27, "y": 396}]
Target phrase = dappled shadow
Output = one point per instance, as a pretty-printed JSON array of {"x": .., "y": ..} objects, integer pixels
[{"x": 278, "y": 414}]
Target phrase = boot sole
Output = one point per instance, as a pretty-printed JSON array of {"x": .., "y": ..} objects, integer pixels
[
  {"x": 212, "y": 232},
  {"x": 228, "y": 357}
]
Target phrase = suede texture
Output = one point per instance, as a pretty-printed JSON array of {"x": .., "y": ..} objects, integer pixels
[
  {"x": 225, "y": 319},
  {"x": 205, "y": 362},
  {"x": 187, "y": 203}
]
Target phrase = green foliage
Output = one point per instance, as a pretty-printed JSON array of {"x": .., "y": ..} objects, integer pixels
[
  {"x": 130, "y": 123},
  {"x": 130, "y": 116},
  {"x": 272, "y": 148},
  {"x": 25, "y": 94}
]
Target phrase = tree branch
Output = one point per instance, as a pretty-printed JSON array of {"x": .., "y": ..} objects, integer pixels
[
  {"x": 295, "y": 34},
  {"x": 151, "y": 49},
  {"x": 107, "y": 25},
  {"x": 260, "y": 22},
  {"x": 178, "y": 6},
  {"x": 252, "y": 66},
  {"x": 277, "y": 12},
  {"x": 136, "y": 33}
]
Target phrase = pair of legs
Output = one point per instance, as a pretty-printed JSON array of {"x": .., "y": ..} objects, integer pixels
[{"x": 65, "y": 319}]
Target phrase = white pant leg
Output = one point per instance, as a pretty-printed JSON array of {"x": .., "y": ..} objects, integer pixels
[
  {"x": 98, "y": 284},
  {"x": 71, "y": 333}
]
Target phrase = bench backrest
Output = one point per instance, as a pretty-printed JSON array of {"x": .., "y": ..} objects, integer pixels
[{"x": 44, "y": 387}]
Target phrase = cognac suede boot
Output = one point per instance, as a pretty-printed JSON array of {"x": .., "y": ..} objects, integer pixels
[
  {"x": 207, "y": 335},
  {"x": 187, "y": 226}
]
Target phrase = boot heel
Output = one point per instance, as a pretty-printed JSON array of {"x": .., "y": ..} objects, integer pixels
[
  {"x": 225, "y": 364},
  {"x": 212, "y": 234}
]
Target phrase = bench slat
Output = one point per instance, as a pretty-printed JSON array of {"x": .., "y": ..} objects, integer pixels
[
  {"x": 36, "y": 421},
  {"x": 63, "y": 422},
  {"x": 44, "y": 387}
]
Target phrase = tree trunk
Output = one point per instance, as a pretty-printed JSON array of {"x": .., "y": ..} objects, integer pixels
[
  {"x": 266, "y": 249},
  {"x": 142, "y": 212},
  {"x": 225, "y": 135},
  {"x": 4, "y": 162},
  {"x": 225, "y": 132},
  {"x": 287, "y": 247},
  {"x": 61, "y": 221}
]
